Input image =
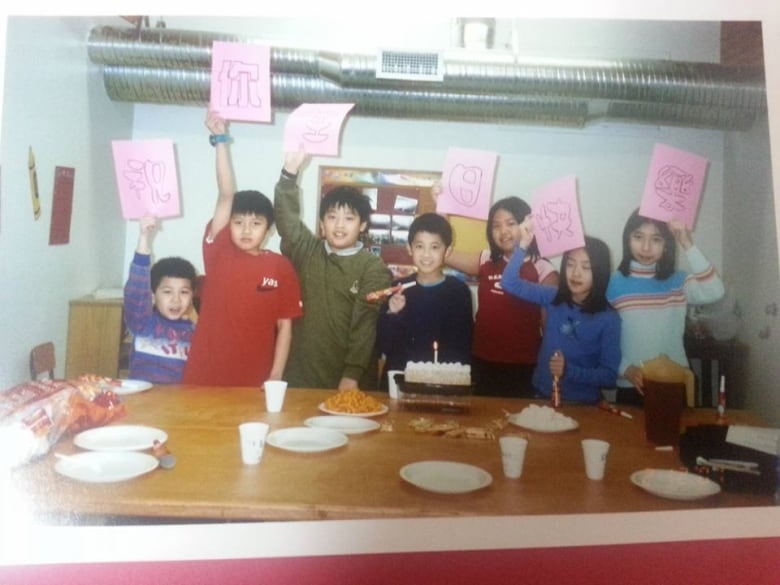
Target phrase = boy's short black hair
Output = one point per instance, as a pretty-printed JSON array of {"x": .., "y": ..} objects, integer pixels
[
  {"x": 252, "y": 202},
  {"x": 173, "y": 267},
  {"x": 433, "y": 223},
  {"x": 346, "y": 197}
]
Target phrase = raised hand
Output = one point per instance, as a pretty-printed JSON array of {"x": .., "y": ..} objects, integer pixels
[
  {"x": 148, "y": 227},
  {"x": 216, "y": 123},
  {"x": 526, "y": 232},
  {"x": 294, "y": 161},
  {"x": 396, "y": 303},
  {"x": 681, "y": 233}
]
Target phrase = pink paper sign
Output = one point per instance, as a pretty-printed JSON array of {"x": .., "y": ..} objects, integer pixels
[
  {"x": 674, "y": 185},
  {"x": 146, "y": 178},
  {"x": 241, "y": 81},
  {"x": 316, "y": 128},
  {"x": 556, "y": 216},
  {"x": 467, "y": 183}
]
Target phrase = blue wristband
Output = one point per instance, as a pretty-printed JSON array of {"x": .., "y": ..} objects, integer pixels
[{"x": 215, "y": 139}]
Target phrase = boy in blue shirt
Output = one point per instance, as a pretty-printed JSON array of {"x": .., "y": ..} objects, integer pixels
[
  {"x": 158, "y": 311},
  {"x": 437, "y": 308}
]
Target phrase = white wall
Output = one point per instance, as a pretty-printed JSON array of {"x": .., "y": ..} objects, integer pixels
[
  {"x": 54, "y": 101},
  {"x": 751, "y": 261}
]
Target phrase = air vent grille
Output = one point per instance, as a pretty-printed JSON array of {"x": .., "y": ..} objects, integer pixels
[{"x": 411, "y": 66}]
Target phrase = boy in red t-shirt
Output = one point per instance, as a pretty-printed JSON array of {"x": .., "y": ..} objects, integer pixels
[{"x": 249, "y": 295}]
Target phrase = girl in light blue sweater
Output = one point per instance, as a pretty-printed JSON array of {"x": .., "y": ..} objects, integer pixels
[{"x": 652, "y": 296}]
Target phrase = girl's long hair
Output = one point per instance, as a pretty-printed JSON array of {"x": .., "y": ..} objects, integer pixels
[
  {"x": 519, "y": 210},
  {"x": 600, "y": 266},
  {"x": 665, "y": 267}
]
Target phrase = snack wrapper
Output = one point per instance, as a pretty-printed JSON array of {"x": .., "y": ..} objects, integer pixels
[{"x": 35, "y": 415}]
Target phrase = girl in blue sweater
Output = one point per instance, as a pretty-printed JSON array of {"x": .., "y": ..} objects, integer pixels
[{"x": 581, "y": 340}]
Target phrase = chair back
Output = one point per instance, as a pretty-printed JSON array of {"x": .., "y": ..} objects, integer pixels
[{"x": 42, "y": 361}]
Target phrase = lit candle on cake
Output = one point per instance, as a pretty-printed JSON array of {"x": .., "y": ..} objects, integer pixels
[{"x": 435, "y": 352}]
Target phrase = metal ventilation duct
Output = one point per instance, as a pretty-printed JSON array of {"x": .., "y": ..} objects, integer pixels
[{"x": 164, "y": 66}]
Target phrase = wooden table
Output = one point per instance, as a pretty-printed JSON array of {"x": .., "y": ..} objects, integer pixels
[{"x": 361, "y": 479}]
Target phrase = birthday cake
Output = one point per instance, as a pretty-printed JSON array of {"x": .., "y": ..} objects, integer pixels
[{"x": 444, "y": 374}]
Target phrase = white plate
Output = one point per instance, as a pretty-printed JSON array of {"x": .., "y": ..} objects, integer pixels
[
  {"x": 446, "y": 477},
  {"x": 381, "y": 411},
  {"x": 131, "y": 387},
  {"x": 120, "y": 438},
  {"x": 675, "y": 485},
  {"x": 306, "y": 439},
  {"x": 100, "y": 467},
  {"x": 349, "y": 425},
  {"x": 543, "y": 419}
]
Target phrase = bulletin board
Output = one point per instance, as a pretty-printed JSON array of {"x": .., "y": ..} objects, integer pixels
[{"x": 397, "y": 197}]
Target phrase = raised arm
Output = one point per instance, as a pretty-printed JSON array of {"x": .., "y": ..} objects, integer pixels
[
  {"x": 511, "y": 281},
  {"x": 138, "y": 305},
  {"x": 147, "y": 229},
  {"x": 287, "y": 207},
  {"x": 704, "y": 284},
  {"x": 466, "y": 262},
  {"x": 226, "y": 184}
]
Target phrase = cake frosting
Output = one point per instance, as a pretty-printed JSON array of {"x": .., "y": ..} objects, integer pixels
[{"x": 447, "y": 373}]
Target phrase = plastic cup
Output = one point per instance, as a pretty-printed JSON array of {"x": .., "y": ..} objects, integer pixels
[
  {"x": 392, "y": 386},
  {"x": 252, "y": 441},
  {"x": 513, "y": 455},
  {"x": 274, "y": 395},
  {"x": 595, "y": 453}
]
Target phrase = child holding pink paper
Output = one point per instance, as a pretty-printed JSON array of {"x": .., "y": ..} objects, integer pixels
[
  {"x": 581, "y": 343},
  {"x": 250, "y": 295},
  {"x": 158, "y": 311},
  {"x": 333, "y": 345},
  {"x": 507, "y": 329},
  {"x": 652, "y": 296}
]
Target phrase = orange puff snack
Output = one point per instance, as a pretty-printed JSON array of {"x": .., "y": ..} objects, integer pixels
[{"x": 352, "y": 402}]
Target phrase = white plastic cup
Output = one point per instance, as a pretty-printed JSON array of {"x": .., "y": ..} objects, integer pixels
[
  {"x": 513, "y": 455},
  {"x": 253, "y": 436},
  {"x": 274, "y": 395},
  {"x": 595, "y": 453},
  {"x": 392, "y": 387}
]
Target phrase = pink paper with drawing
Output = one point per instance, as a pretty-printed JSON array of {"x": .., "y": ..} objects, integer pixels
[
  {"x": 241, "y": 81},
  {"x": 674, "y": 185},
  {"x": 467, "y": 183},
  {"x": 316, "y": 128},
  {"x": 146, "y": 178},
  {"x": 556, "y": 216}
]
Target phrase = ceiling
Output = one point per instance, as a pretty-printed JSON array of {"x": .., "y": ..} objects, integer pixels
[{"x": 166, "y": 66}]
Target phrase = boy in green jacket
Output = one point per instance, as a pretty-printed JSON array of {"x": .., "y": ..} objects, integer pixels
[{"x": 333, "y": 343}]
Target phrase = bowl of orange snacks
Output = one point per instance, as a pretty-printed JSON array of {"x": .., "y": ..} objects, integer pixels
[{"x": 353, "y": 403}]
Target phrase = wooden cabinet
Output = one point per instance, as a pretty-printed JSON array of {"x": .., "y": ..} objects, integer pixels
[{"x": 96, "y": 338}]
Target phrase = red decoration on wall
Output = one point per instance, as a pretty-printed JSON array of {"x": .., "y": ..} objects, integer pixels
[{"x": 62, "y": 205}]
